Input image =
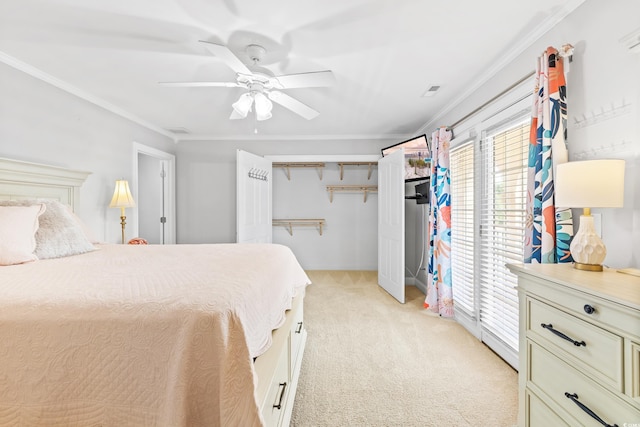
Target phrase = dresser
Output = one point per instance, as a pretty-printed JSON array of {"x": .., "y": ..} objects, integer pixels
[{"x": 579, "y": 347}]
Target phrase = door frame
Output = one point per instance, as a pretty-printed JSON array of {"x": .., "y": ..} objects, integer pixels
[{"x": 170, "y": 190}]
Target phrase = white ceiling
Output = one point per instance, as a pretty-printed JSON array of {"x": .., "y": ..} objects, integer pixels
[{"x": 384, "y": 54}]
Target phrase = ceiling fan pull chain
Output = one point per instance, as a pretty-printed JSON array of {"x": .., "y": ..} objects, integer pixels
[{"x": 255, "y": 123}]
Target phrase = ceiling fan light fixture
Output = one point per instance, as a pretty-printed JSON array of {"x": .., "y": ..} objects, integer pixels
[
  {"x": 263, "y": 106},
  {"x": 243, "y": 105},
  {"x": 261, "y": 84}
]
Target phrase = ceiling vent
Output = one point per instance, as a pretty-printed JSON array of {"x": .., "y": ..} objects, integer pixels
[{"x": 433, "y": 89}]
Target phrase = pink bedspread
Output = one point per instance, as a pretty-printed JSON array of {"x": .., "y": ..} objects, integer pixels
[{"x": 134, "y": 335}]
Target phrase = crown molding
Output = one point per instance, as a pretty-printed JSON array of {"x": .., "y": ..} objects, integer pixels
[
  {"x": 631, "y": 41},
  {"x": 60, "y": 84},
  {"x": 259, "y": 137}
]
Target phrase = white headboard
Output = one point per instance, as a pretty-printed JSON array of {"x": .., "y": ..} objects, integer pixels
[{"x": 24, "y": 180}]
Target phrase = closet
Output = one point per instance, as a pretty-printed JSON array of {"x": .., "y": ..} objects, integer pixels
[{"x": 339, "y": 195}]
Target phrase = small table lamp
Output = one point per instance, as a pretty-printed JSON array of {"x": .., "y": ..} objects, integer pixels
[
  {"x": 122, "y": 199},
  {"x": 589, "y": 184}
]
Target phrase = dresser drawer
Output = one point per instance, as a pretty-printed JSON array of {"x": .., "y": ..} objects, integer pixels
[
  {"x": 560, "y": 382},
  {"x": 598, "y": 351},
  {"x": 540, "y": 415},
  {"x": 588, "y": 307}
]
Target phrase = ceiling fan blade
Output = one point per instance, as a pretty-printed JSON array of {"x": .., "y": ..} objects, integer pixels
[
  {"x": 227, "y": 57},
  {"x": 292, "y": 104},
  {"x": 199, "y": 84},
  {"x": 312, "y": 79}
]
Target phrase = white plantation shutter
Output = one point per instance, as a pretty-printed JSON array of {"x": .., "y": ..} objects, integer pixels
[
  {"x": 504, "y": 152},
  {"x": 462, "y": 229}
]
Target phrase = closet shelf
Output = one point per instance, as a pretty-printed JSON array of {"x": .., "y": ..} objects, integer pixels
[
  {"x": 288, "y": 165},
  {"x": 302, "y": 222},
  {"x": 351, "y": 188},
  {"x": 370, "y": 164}
]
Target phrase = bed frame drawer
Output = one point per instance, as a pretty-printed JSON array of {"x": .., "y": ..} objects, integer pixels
[
  {"x": 274, "y": 404},
  {"x": 297, "y": 338},
  {"x": 279, "y": 368}
]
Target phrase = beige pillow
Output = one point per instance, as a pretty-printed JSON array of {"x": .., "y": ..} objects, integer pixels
[{"x": 18, "y": 226}]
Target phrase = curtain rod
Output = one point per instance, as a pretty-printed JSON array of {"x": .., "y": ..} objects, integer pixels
[
  {"x": 566, "y": 51},
  {"x": 528, "y": 76}
]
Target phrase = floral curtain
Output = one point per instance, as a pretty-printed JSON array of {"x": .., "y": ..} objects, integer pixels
[
  {"x": 548, "y": 230},
  {"x": 439, "y": 293}
]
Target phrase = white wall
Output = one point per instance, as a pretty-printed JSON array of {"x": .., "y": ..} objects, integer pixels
[
  {"x": 351, "y": 231},
  {"x": 42, "y": 124},
  {"x": 603, "y": 74}
]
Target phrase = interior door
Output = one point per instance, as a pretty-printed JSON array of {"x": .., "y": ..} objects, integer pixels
[
  {"x": 391, "y": 224},
  {"x": 253, "y": 198},
  {"x": 152, "y": 195},
  {"x": 154, "y": 217}
]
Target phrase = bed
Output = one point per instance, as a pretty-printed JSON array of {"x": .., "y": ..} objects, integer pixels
[{"x": 137, "y": 335}]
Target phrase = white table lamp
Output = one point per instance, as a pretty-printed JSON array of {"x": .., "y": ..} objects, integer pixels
[{"x": 589, "y": 184}]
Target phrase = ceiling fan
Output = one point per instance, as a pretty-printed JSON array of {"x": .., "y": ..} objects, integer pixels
[{"x": 261, "y": 87}]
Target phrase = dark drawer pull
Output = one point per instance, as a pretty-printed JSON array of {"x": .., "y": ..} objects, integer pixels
[
  {"x": 563, "y": 336},
  {"x": 589, "y": 309},
  {"x": 284, "y": 387},
  {"x": 299, "y": 329},
  {"x": 574, "y": 398}
]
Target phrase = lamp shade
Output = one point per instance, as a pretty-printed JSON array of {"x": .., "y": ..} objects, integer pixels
[
  {"x": 122, "y": 196},
  {"x": 243, "y": 105},
  {"x": 263, "y": 106},
  {"x": 590, "y": 184}
]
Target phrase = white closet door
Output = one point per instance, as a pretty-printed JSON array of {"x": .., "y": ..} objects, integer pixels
[
  {"x": 391, "y": 224},
  {"x": 253, "y": 198}
]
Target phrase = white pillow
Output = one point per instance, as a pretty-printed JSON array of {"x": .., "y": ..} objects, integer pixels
[
  {"x": 59, "y": 234},
  {"x": 18, "y": 226}
]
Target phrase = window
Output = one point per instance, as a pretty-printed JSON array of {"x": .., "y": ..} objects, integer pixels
[
  {"x": 488, "y": 172},
  {"x": 462, "y": 229},
  {"x": 504, "y": 151}
]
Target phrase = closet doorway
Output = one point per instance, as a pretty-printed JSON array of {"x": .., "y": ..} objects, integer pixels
[{"x": 154, "y": 193}]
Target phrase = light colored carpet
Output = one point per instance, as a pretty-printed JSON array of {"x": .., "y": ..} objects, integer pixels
[{"x": 371, "y": 361}]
